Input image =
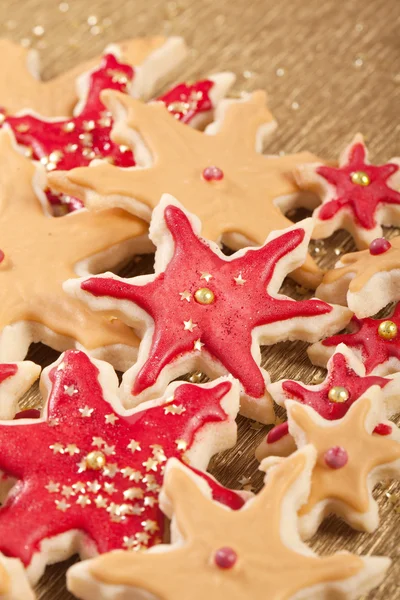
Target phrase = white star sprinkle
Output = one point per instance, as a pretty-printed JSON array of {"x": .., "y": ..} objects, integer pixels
[
  {"x": 134, "y": 446},
  {"x": 239, "y": 280},
  {"x": 111, "y": 419},
  {"x": 52, "y": 487},
  {"x": 198, "y": 344},
  {"x": 206, "y": 276},
  {"x": 186, "y": 295},
  {"x": 70, "y": 390},
  {"x": 62, "y": 505},
  {"x": 86, "y": 411},
  {"x": 189, "y": 325}
]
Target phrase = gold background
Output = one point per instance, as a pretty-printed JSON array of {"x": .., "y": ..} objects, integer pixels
[{"x": 331, "y": 68}]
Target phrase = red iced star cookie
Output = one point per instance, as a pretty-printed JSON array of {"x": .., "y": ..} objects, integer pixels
[
  {"x": 204, "y": 310},
  {"x": 376, "y": 341},
  {"x": 344, "y": 384},
  {"x": 356, "y": 196},
  {"x": 15, "y": 380},
  {"x": 91, "y": 472},
  {"x": 72, "y": 142},
  {"x": 215, "y": 553}
]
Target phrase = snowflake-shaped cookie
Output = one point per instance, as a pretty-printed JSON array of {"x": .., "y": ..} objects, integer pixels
[
  {"x": 252, "y": 553},
  {"x": 91, "y": 473},
  {"x": 204, "y": 310},
  {"x": 356, "y": 196},
  {"x": 38, "y": 253},
  {"x": 75, "y": 141},
  {"x": 219, "y": 174}
]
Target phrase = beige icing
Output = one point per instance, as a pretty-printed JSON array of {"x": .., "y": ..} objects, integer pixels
[
  {"x": 266, "y": 566},
  {"x": 57, "y": 97},
  {"x": 242, "y": 202},
  {"x": 40, "y": 254},
  {"x": 364, "y": 265},
  {"x": 365, "y": 451},
  {"x": 5, "y": 582}
]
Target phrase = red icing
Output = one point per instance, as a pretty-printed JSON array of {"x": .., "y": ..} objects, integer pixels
[
  {"x": 362, "y": 201},
  {"x": 383, "y": 429},
  {"x": 30, "y": 413},
  {"x": 83, "y": 144},
  {"x": 25, "y": 454},
  {"x": 379, "y": 246},
  {"x": 339, "y": 374},
  {"x": 277, "y": 433},
  {"x": 225, "y": 558},
  {"x": 213, "y": 174},
  {"x": 227, "y": 322},
  {"x": 336, "y": 457},
  {"x": 194, "y": 98},
  {"x": 7, "y": 371},
  {"x": 375, "y": 350}
]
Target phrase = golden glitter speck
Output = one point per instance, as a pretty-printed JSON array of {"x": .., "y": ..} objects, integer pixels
[{"x": 204, "y": 296}]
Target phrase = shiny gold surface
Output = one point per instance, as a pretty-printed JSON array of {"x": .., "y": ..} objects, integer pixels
[{"x": 331, "y": 69}]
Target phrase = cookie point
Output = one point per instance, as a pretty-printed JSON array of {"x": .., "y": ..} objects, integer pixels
[
  {"x": 204, "y": 296},
  {"x": 379, "y": 246},
  {"x": 336, "y": 457},
  {"x": 360, "y": 178},
  {"x": 95, "y": 460},
  {"x": 2, "y": 256},
  {"x": 338, "y": 394},
  {"x": 387, "y": 330},
  {"x": 213, "y": 173},
  {"x": 225, "y": 558}
]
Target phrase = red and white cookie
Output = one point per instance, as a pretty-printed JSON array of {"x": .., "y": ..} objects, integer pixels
[
  {"x": 88, "y": 473},
  {"x": 365, "y": 281},
  {"x": 13, "y": 581},
  {"x": 199, "y": 303},
  {"x": 15, "y": 381},
  {"x": 217, "y": 553},
  {"x": 375, "y": 341},
  {"x": 356, "y": 195},
  {"x": 351, "y": 459},
  {"x": 345, "y": 382}
]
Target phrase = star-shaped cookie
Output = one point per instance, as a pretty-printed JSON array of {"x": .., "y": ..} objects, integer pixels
[
  {"x": 219, "y": 174},
  {"x": 345, "y": 382},
  {"x": 375, "y": 341},
  {"x": 92, "y": 472},
  {"x": 365, "y": 281},
  {"x": 204, "y": 310},
  {"x": 15, "y": 380},
  {"x": 356, "y": 195},
  {"x": 39, "y": 252},
  {"x": 351, "y": 459},
  {"x": 255, "y": 552},
  {"x": 22, "y": 88}
]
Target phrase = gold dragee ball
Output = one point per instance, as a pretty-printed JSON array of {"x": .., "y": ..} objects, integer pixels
[
  {"x": 360, "y": 178},
  {"x": 204, "y": 296},
  {"x": 338, "y": 394},
  {"x": 387, "y": 330},
  {"x": 95, "y": 460}
]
